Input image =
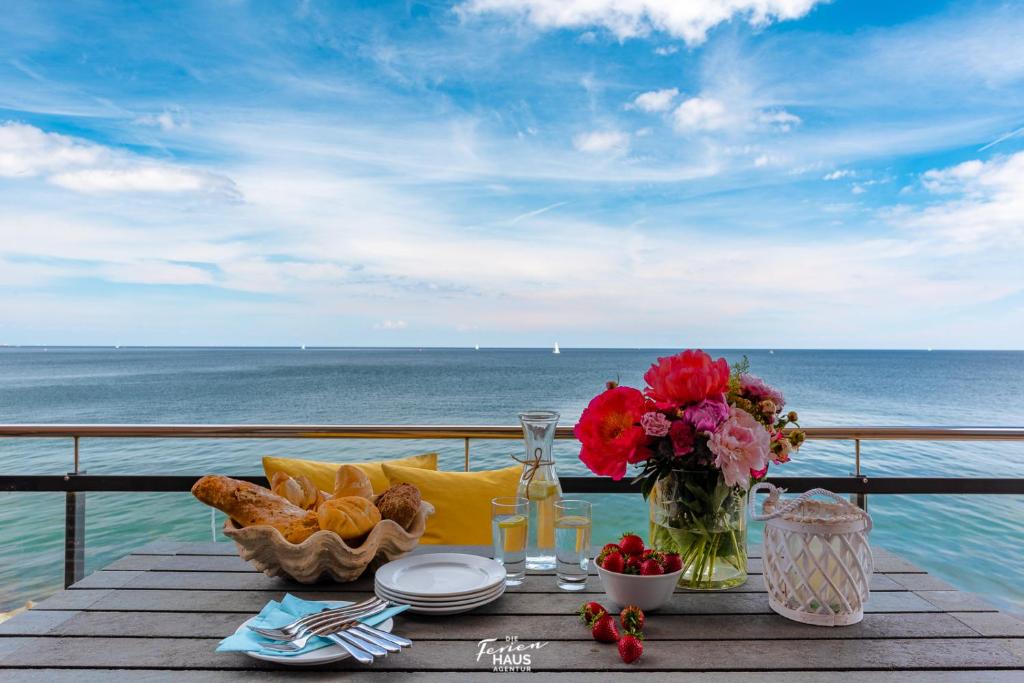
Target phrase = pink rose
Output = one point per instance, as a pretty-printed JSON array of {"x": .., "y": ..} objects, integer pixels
[
  {"x": 682, "y": 435},
  {"x": 707, "y": 415},
  {"x": 755, "y": 389},
  {"x": 740, "y": 445},
  {"x": 655, "y": 424}
]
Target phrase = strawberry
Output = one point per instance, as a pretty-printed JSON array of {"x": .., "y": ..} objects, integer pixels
[
  {"x": 633, "y": 563},
  {"x": 632, "y": 619},
  {"x": 611, "y": 547},
  {"x": 631, "y": 544},
  {"x": 650, "y": 568},
  {"x": 605, "y": 552},
  {"x": 672, "y": 563},
  {"x": 613, "y": 562},
  {"x": 590, "y": 611},
  {"x": 656, "y": 555},
  {"x": 604, "y": 629},
  {"x": 630, "y": 647}
]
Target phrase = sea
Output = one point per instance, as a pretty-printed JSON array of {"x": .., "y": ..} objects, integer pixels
[{"x": 974, "y": 542}]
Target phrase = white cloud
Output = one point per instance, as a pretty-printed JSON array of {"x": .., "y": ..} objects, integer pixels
[
  {"x": 391, "y": 325},
  {"x": 655, "y": 100},
  {"x": 167, "y": 120},
  {"x": 602, "y": 141},
  {"x": 779, "y": 119},
  {"x": 985, "y": 203},
  {"x": 687, "y": 19},
  {"x": 839, "y": 174},
  {"x": 701, "y": 114},
  {"x": 666, "y": 50},
  {"x": 83, "y": 166},
  {"x": 145, "y": 178},
  {"x": 28, "y": 151}
]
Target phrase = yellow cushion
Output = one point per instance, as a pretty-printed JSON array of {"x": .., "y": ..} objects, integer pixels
[
  {"x": 461, "y": 500},
  {"x": 322, "y": 473}
]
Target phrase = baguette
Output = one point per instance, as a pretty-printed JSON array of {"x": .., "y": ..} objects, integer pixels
[{"x": 252, "y": 505}]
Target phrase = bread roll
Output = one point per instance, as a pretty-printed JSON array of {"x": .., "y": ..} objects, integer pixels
[
  {"x": 400, "y": 503},
  {"x": 299, "y": 490},
  {"x": 352, "y": 481},
  {"x": 252, "y": 505},
  {"x": 349, "y": 517}
]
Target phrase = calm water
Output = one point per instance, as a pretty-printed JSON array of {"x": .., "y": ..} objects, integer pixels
[{"x": 973, "y": 542}]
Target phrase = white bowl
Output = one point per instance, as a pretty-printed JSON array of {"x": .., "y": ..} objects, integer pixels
[{"x": 646, "y": 592}]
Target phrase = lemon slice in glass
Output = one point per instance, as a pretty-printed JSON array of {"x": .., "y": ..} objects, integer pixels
[{"x": 541, "y": 490}]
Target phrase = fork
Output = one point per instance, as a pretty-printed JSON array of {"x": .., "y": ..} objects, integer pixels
[
  {"x": 289, "y": 631},
  {"x": 363, "y": 635},
  {"x": 305, "y": 632}
]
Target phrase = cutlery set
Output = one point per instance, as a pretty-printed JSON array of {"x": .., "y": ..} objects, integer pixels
[{"x": 342, "y": 627}]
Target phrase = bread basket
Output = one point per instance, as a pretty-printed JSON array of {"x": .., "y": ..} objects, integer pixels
[{"x": 325, "y": 553}]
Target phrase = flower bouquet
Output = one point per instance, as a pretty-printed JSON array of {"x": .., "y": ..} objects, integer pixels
[{"x": 701, "y": 435}]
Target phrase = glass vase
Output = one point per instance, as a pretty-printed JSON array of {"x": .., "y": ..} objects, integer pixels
[
  {"x": 695, "y": 514},
  {"x": 539, "y": 484}
]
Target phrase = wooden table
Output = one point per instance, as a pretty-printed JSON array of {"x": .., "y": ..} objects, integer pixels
[{"x": 158, "y": 614}]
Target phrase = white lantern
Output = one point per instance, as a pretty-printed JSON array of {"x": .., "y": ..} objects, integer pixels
[{"x": 817, "y": 561}]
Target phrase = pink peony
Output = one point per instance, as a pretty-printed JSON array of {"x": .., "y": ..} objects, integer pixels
[
  {"x": 756, "y": 390},
  {"x": 610, "y": 432},
  {"x": 682, "y": 435},
  {"x": 740, "y": 445},
  {"x": 655, "y": 424},
  {"x": 707, "y": 415},
  {"x": 688, "y": 377}
]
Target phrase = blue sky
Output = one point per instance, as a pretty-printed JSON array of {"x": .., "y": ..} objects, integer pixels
[{"x": 774, "y": 173}]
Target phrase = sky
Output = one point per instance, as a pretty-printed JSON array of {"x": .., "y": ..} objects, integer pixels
[{"x": 614, "y": 173}]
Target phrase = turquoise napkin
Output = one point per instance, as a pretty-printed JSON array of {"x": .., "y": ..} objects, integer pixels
[{"x": 276, "y": 614}]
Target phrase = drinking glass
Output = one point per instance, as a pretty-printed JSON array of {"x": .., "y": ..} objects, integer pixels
[
  {"x": 572, "y": 543},
  {"x": 509, "y": 529}
]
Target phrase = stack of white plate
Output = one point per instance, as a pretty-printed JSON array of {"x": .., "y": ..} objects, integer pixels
[{"x": 441, "y": 583}]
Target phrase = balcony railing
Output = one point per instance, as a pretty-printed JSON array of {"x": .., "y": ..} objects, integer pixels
[{"x": 77, "y": 482}]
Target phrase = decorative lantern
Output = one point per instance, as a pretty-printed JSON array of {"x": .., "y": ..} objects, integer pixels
[{"x": 817, "y": 562}]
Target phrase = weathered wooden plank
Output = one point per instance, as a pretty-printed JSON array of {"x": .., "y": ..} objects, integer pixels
[
  {"x": 807, "y": 655},
  {"x": 107, "y": 579},
  {"x": 557, "y": 627},
  {"x": 921, "y": 582},
  {"x": 257, "y": 581},
  {"x": 372, "y": 676},
  {"x": 956, "y": 601},
  {"x": 992, "y": 623},
  {"x": 73, "y": 600},
  {"x": 521, "y": 603},
  {"x": 35, "y": 622}
]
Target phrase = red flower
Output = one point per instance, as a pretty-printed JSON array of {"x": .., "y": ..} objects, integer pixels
[
  {"x": 688, "y": 377},
  {"x": 610, "y": 432},
  {"x": 682, "y": 436}
]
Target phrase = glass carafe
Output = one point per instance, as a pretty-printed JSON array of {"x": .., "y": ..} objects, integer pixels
[{"x": 539, "y": 484}]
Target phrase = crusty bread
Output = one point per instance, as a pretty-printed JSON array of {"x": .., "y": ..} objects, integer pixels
[
  {"x": 251, "y": 505},
  {"x": 349, "y": 516},
  {"x": 299, "y": 490},
  {"x": 399, "y": 503},
  {"x": 352, "y": 481}
]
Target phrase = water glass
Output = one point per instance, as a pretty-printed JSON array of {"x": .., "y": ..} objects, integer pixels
[
  {"x": 509, "y": 530},
  {"x": 572, "y": 543}
]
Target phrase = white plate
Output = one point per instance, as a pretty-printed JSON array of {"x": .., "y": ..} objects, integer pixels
[
  {"x": 457, "y": 609},
  {"x": 324, "y": 655},
  {"x": 440, "y": 575},
  {"x": 438, "y": 602}
]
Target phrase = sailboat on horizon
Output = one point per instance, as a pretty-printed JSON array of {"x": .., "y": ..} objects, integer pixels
[
  {"x": 476, "y": 347},
  {"x": 555, "y": 350}
]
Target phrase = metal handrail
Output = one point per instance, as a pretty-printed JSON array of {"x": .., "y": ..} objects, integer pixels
[
  {"x": 76, "y": 483},
  {"x": 274, "y": 431}
]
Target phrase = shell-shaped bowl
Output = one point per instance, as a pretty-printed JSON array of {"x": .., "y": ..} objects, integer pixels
[{"x": 325, "y": 553}]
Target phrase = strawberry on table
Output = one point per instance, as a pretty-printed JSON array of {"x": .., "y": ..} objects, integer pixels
[
  {"x": 672, "y": 563},
  {"x": 631, "y": 544},
  {"x": 604, "y": 629},
  {"x": 651, "y": 568},
  {"x": 613, "y": 562},
  {"x": 630, "y": 647},
  {"x": 590, "y": 611},
  {"x": 632, "y": 619}
]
